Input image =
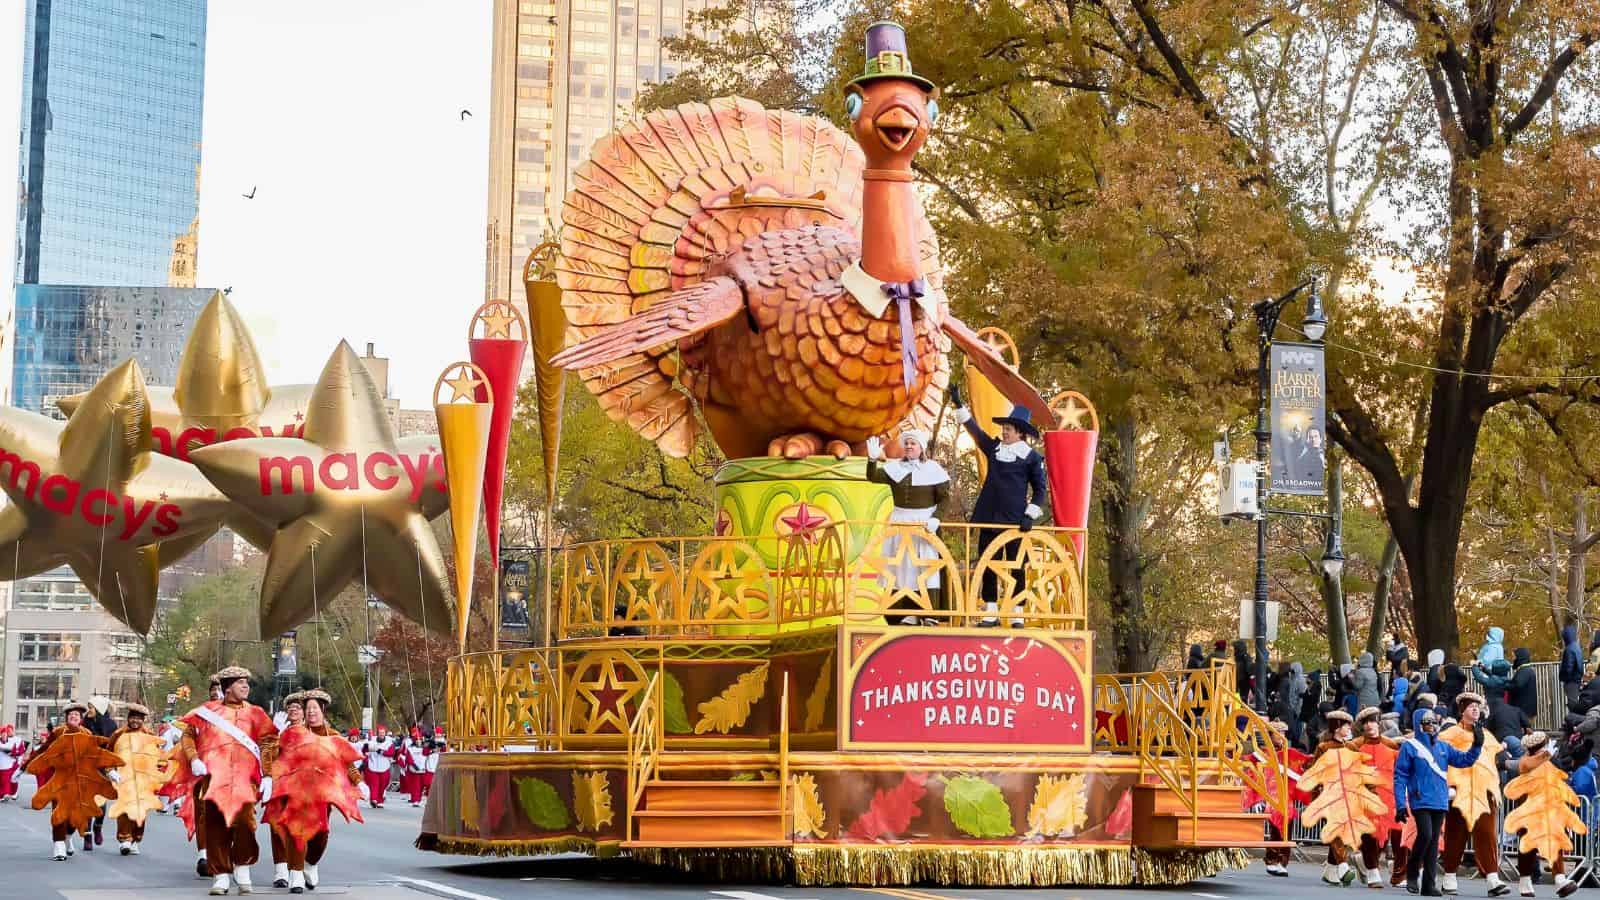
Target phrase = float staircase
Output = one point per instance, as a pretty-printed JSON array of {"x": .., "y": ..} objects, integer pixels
[{"x": 1162, "y": 818}]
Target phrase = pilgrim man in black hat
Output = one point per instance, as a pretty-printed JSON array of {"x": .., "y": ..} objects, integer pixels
[{"x": 1013, "y": 492}]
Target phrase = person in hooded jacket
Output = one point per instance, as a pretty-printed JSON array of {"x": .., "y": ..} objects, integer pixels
[
  {"x": 1310, "y": 722},
  {"x": 1293, "y": 689},
  {"x": 1197, "y": 657},
  {"x": 1366, "y": 682},
  {"x": 1435, "y": 671},
  {"x": 1399, "y": 657},
  {"x": 1571, "y": 671},
  {"x": 1588, "y": 696},
  {"x": 1493, "y": 649},
  {"x": 1244, "y": 668},
  {"x": 1523, "y": 690},
  {"x": 1421, "y": 791},
  {"x": 1401, "y": 689},
  {"x": 1455, "y": 681},
  {"x": 1495, "y": 678},
  {"x": 1219, "y": 651}
]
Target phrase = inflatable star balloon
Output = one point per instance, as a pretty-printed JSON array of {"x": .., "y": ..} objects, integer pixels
[
  {"x": 90, "y": 493},
  {"x": 345, "y": 500}
]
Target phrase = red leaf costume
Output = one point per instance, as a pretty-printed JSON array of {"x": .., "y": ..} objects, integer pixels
[
  {"x": 1297, "y": 764},
  {"x": 74, "y": 758},
  {"x": 313, "y": 773},
  {"x": 180, "y": 787},
  {"x": 235, "y": 773},
  {"x": 1382, "y": 753}
]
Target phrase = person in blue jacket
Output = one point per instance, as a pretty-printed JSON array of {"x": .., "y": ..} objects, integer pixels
[
  {"x": 1420, "y": 790},
  {"x": 1013, "y": 491}
]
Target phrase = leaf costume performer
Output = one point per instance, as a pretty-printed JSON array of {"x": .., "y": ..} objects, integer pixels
[
  {"x": 1381, "y": 752},
  {"x": 74, "y": 758},
  {"x": 1277, "y": 858},
  {"x": 144, "y": 770},
  {"x": 229, "y": 745},
  {"x": 1545, "y": 816},
  {"x": 317, "y": 771},
  {"x": 1346, "y": 805},
  {"x": 1476, "y": 801},
  {"x": 293, "y": 713}
]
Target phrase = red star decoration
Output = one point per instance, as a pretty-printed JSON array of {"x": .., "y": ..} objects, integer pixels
[
  {"x": 163, "y": 496},
  {"x": 724, "y": 523},
  {"x": 802, "y": 519},
  {"x": 608, "y": 698},
  {"x": 299, "y": 416}
]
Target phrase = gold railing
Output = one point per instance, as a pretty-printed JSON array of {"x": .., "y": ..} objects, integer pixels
[
  {"x": 853, "y": 571},
  {"x": 1250, "y": 754},
  {"x": 1170, "y": 750},
  {"x": 1199, "y": 696},
  {"x": 644, "y": 747},
  {"x": 786, "y": 815}
]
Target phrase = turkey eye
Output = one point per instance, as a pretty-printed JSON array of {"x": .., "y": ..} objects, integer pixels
[
  {"x": 852, "y": 106},
  {"x": 933, "y": 111}
]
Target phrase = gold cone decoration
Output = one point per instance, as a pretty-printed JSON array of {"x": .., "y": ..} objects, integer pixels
[
  {"x": 347, "y": 503},
  {"x": 90, "y": 493},
  {"x": 548, "y": 324},
  {"x": 464, "y": 423},
  {"x": 985, "y": 399}
]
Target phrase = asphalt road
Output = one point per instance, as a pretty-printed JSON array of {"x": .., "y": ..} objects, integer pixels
[{"x": 376, "y": 860}]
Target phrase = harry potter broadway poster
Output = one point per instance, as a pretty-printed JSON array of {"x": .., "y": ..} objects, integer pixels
[{"x": 1299, "y": 407}]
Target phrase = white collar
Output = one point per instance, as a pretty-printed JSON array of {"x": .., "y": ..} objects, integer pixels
[
  {"x": 1016, "y": 451},
  {"x": 923, "y": 472},
  {"x": 868, "y": 292}
]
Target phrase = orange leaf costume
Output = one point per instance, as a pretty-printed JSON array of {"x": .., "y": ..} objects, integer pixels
[
  {"x": 75, "y": 758},
  {"x": 235, "y": 772},
  {"x": 1297, "y": 764},
  {"x": 312, "y": 774},
  {"x": 1346, "y": 806},
  {"x": 1545, "y": 816},
  {"x": 1381, "y": 753},
  {"x": 1477, "y": 789}
]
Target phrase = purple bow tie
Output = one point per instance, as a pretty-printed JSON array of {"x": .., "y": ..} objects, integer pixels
[{"x": 902, "y": 293}]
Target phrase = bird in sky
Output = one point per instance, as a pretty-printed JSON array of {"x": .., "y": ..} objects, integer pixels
[
  {"x": 251, "y": 195},
  {"x": 466, "y": 114}
]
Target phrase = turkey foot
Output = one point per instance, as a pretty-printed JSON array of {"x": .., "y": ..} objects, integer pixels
[{"x": 804, "y": 444}]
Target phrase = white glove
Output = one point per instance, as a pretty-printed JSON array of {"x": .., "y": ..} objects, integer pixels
[
  {"x": 364, "y": 791},
  {"x": 1033, "y": 511},
  {"x": 280, "y": 720},
  {"x": 874, "y": 448},
  {"x": 963, "y": 415},
  {"x": 198, "y": 769},
  {"x": 933, "y": 525},
  {"x": 266, "y": 789},
  {"x": 115, "y": 776}
]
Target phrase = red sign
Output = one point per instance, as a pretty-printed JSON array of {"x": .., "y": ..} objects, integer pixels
[{"x": 970, "y": 690}]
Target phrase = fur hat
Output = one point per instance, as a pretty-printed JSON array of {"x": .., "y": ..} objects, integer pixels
[
  {"x": 1279, "y": 727},
  {"x": 298, "y": 698},
  {"x": 230, "y": 674},
  {"x": 136, "y": 709},
  {"x": 319, "y": 695},
  {"x": 1535, "y": 742},
  {"x": 1337, "y": 716},
  {"x": 1465, "y": 697},
  {"x": 78, "y": 705},
  {"x": 1427, "y": 698},
  {"x": 1371, "y": 712}
]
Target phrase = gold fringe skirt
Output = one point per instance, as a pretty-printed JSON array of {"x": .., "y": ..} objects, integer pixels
[{"x": 969, "y": 866}]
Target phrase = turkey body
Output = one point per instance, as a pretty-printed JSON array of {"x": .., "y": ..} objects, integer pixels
[{"x": 807, "y": 356}]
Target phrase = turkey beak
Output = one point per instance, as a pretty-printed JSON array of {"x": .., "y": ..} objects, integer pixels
[{"x": 896, "y": 126}]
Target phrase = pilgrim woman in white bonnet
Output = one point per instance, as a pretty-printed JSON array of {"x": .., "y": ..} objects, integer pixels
[{"x": 919, "y": 486}]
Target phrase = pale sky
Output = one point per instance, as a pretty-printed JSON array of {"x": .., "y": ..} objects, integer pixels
[{"x": 369, "y": 213}]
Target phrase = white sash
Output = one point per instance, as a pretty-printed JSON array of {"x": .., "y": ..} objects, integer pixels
[
  {"x": 231, "y": 730},
  {"x": 1293, "y": 775},
  {"x": 1427, "y": 756}
]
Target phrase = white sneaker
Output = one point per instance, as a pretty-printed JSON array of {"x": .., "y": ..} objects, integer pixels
[
  {"x": 125, "y": 847},
  {"x": 219, "y": 885},
  {"x": 297, "y": 882},
  {"x": 70, "y": 849},
  {"x": 1497, "y": 888},
  {"x": 1330, "y": 873},
  {"x": 1447, "y": 883},
  {"x": 1525, "y": 886},
  {"x": 1565, "y": 886},
  {"x": 133, "y": 847},
  {"x": 241, "y": 877},
  {"x": 280, "y": 875},
  {"x": 58, "y": 851},
  {"x": 312, "y": 879},
  {"x": 1375, "y": 879}
]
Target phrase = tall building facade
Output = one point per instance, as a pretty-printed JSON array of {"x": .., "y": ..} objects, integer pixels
[{"x": 565, "y": 73}]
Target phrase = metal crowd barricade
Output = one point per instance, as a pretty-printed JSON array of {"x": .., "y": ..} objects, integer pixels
[{"x": 1552, "y": 701}]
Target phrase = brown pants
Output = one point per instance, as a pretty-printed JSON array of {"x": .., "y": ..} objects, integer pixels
[
  {"x": 227, "y": 845},
  {"x": 62, "y": 831},
  {"x": 1372, "y": 853},
  {"x": 1277, "y": 856},
  {"x": 278, "y": 855},
  {"x": 294, "y": 856},
  {"x": 1337, "y": 852},
  {"x": 129, "y": 830},
  {"x": 197, "y": 798},
  {"x": 1528, "y": 865},
  {"x": 1485, "y": 849}
]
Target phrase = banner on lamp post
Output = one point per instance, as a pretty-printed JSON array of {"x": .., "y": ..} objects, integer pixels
[
  {"x": 515, "y": 580},
  {"x": 1299, "y": 413}
]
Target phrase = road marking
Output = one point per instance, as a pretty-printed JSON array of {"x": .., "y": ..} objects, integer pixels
[
  {"x": 752, "y": 895},
  {"x": 441, "y": 889},
  {"x": 1208, "y": 896},
  {"x": 909, "y": 894}
]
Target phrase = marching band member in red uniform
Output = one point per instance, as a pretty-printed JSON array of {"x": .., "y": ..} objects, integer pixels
[
  {"x": 414, "y": 765},
  {"x": 379, "y": 751},
  {"x": 12, "y": 749}
]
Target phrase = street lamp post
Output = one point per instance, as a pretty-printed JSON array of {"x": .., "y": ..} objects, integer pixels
[{"x": 1314, "y": 326}]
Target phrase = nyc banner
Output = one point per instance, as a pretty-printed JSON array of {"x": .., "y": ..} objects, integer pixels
[{"x": 1299, "y": 410}]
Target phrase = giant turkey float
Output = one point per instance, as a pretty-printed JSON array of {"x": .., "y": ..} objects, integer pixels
[{"x": 738, "y": 704}]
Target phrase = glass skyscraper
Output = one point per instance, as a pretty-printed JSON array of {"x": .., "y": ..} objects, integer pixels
[{"x": 108, "y": 181}]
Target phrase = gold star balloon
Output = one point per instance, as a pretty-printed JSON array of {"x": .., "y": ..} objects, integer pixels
[
  {"x": 222, "y": 394},
  {"x": 90, "y": 493},
  {"x": 345, "y": 499}
]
